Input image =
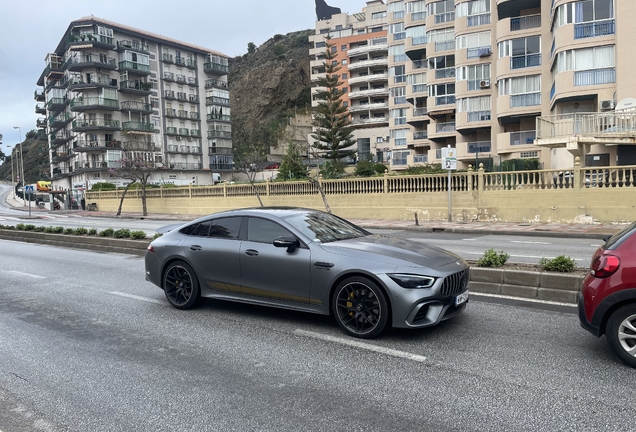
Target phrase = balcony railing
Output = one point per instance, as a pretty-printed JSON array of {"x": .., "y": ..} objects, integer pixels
[
  {"x": 168, "y": 58},
  {"x": 522, "y": 138},
  {"x": 184, "y": 131},
  {"x": 419, "y": 40},
  {"x": 137, "y": 126},
  {"x": 209, "y": 83},
  {"x": 419, "y": 64},
  {"x": 599, "y": 125},
  {"x": 168, "y": 76},
  {"x": 419, "y": 88},
  {"x": 94, "y": 102},
  {"x": 192, "y": 81},
  {"x": 421, "y": 158},
  {"x": 594, "y": 29},
  {"x": 420, "y": 135},
  {"x": 136, "y": 106},
  {"x": 135, "y": 85},
  {"x": 478, "y": 116},
  {"x": 480, "y": 147},
  {"x": 96, "y": 124},
  {"x": 526, "y": 61},
  {"x": 214, "y": 150},
  {"x": 170, "y": 130},
  {"x": 219, "y": 134},
  {"x": 171, "y": 112},
  {"x": 525, "y": 22},
  {"x": 182, "y": 96},
  {"x": 445, "y": 73},
  {"x": 193, "y": 98},
  {"x": 214, "y": 100},
  {"x": 135, "y": 45},
  {"x": 181, "y": 78},
  {"x": 477, "y": 20},
  {"x": 371, "y": 120},
  {"x": 134, "y": 66},
  {"x": 140, "y": 146},
  {"x": 418, "y": 112},
  {"x": 445, "y": 46},
  {"x": 168, "y": 94},
  {"x": 484, "y": 51},
  {"x": 195, "y": 133},
  {"x": 182, "y": 114},
  {"x": 445, "y": 100},
  {"x": 81, "y": 144},
  {"x": 219, "y": 117},
  {"x": 445, "y": 127},
  {"x": 181, "y": 61},
  {"x": 185, "y": 166},
  {"x": 444, "y": 17},
  {"x": 191, "y": 63},
  {"x": 595, "y": 77},
  {"x": 215, "y": 67},
  {"x": 195, "y": 116},
  {"x": 522, "y": 100},
  {"x": 418, "y": 16}
]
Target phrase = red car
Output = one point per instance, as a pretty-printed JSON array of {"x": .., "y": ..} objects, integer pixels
[{"x": 607, "y": 301}]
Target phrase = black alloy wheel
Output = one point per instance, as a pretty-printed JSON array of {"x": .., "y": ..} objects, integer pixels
[
  {"x": 360, "y": 307},
  {"x": 621, "y": 334},
  {"x": 181, "y": 285}
]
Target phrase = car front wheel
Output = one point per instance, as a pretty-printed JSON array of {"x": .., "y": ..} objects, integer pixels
[
  {"x": 181, "y": 285},
  {"x": 621, "y": 334},
  {"x": 360, "y": 307}
]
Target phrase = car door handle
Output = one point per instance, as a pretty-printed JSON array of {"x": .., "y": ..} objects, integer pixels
[
  {"x": 195, "y": 248},
  {"x": 251, "y": 252}
]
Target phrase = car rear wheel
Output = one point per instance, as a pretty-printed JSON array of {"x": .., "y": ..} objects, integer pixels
[
  {"x": 181, "y": 285},
  {"x": 621, "y": 334},
  {"x": 360, "y": 307}
]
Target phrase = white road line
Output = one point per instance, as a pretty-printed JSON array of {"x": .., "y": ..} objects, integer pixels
[
  {"x": 146, "y": 299},
  {"x": 529, "y": 242},
  {"x": 361, "y": 345},
  {"x": 471, "y": 239},
  {"x": 19, "y": 273},
  {"x": 474, "y": 294}
]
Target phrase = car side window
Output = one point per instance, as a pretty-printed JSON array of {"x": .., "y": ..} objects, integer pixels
[
  {"x": 188, "y": 230},
  {"x": 202, "y": 229},
  {"x": 264, "y": 231},
  {"x": 226, "y": 228}
]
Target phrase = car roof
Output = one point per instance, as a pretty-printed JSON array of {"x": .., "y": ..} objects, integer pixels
[{"x": 274, "y": 211}]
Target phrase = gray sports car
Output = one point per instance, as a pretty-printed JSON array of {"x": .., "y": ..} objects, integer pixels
[{"x": 311, "y": 261}]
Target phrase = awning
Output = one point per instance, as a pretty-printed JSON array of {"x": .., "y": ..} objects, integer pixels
[
  {"x": 75, "y": 47},
  {"x": 442, "y": 112}
]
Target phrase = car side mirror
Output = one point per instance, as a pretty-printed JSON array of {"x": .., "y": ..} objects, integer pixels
[{"x": 291, "y": 243}]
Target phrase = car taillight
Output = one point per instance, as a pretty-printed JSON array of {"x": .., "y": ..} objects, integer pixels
[
  {"x": 605, "y": 265},
  {"x": 150, "y": 248}
]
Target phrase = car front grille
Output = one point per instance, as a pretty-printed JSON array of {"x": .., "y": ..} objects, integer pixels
[{"x": 455, "y": 283}]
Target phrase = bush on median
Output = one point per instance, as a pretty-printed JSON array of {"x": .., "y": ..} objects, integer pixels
[
  {"x": 493, "y": 259},
  {"x": 561, "y": 264}
]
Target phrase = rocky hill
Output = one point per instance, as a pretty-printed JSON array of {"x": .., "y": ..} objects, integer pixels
[{"x": 36, "y": 160}]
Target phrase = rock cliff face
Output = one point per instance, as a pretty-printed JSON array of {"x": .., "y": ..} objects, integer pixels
[{"x": 272, "y": 80}]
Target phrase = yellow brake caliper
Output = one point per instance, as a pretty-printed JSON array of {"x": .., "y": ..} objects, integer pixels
[{"x": 350, "y": 303}]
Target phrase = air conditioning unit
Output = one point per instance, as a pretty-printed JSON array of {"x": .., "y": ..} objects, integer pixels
[
  {"x": 451, "y": 73},
  {"x": 178, "y": 138},
  {"x": 484, "y": 84},
  {"x": 189, "y": 138},
  {"x": 607, "y": 105}
]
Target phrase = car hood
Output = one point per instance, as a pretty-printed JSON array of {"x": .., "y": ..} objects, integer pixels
[{"x": 406, "y": 250}]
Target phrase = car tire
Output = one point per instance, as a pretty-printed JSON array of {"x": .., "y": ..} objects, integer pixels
[
  {"x": 360, "y": 307},
  {"x": 181, "y": 285},
  {"x": 621, "y": 334}
]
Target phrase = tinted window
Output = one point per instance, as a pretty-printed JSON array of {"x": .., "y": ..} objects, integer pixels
[
  {"x": 227, "y": 228},
  {"x": 202, "y": 229},
  {"x": 616, "y": 240},
  {"x": 189, "y": 229},
  {"x": 264, "y": 231},
  {"x": 324, "y": 227}
]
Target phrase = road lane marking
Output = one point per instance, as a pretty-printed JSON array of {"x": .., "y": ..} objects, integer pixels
[
  {"x": 529, "y": 242},
  {"x": 361, "y": 345},
  {"x": 146, "y": 299},
  {"x": 19, "y": 273},
  {"x": 505, "y": 297}
]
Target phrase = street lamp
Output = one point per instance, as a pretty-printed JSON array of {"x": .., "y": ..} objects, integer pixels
[{"x": 21, "y": 164}]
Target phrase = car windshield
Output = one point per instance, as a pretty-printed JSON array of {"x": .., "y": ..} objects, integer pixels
[
  {"x": 324, "y": 227},
  {"x": 616, "y": 240}
]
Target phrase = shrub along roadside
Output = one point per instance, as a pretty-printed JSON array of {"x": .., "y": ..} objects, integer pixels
[
  {"x": 109, "y": 232},
  {"x": 493, "y": 259}
]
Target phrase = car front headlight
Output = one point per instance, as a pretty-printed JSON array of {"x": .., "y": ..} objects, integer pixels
[{"x": 412, "y": 281}]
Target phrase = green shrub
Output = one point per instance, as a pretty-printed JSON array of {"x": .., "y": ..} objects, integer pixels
[
  {"x": 380, "y": 168},
  {"x": 138, "y": 235},
  {"x": 104, "y": 186},
  {"x": 29, "y": 227},
  {"x": 365, "y": 169},
  {"x": 48, "y": 229},
  {"x": 122, "y": 233},
  {"x": 559, "y": 264},
  {"x": 69, "y": 231},
  {"x": 493, "y": 259},
  {"x": 20, "y": 227},
  {"x": 108, "y": 232},
  {"x": 58, "y": 230},
  {"x": 80, "y": 231},
  {"x": 39, "y": 229},
  {"x": 92, "y": 232}
]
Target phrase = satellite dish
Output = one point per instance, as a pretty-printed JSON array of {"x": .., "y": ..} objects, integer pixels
[{"x": 627, "y": 104}]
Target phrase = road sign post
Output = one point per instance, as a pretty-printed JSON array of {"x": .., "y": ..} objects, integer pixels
[
  {"x": 449, "y": 161},
  {"x": 28, "y": 190}
]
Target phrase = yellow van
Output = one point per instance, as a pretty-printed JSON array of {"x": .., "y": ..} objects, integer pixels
[{"x": 43, "y": 186}]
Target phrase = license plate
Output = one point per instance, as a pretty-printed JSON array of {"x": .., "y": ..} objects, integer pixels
[{"x": 462, "y": 298}]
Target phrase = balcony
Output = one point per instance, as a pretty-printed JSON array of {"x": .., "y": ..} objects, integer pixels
[
  {"x": 196, "y": 133},
  {"x": 368, "y": 106},
  {"x": 191, "y": 63},
  {"x": 370, "y": 121},
  {"x": 60, "y": 120},
  {"x": 594, "y": 77},
  {"x": 445, "y": 46},
  {"x": 90, "y": 40},
  {"x": 215, "y": 100},
  {"x": 419, "y": 88},
  {"x": 594, "y": 29},
  {"x": 135, "y": 87},
  {"x": 180, "y": 61},
  {"x": 57, "y": 157},
  {"x": 135, "y": 106},
  {"x": 444, "y": 17},
  {"x": 214, "y": 150},
  {"x": 91, "y": 103},
  {"x": 369, "y": 93},
  {"x": 178, "y": 149},
  {"x": 134, "y": 68},
  {"x": 129, "y": 45},
  {"x": 420, "y": 135},
  {"x": 135, "y": 126},
  {"x": 171, "y": 112},
  {"x": 219, "y": 134},
  {"x": 479, "y": 147},
  {"x": 181, "y": 78},
  {"x": 522, "y": 138},
  {"x": 420, "y": 158},
  {"x": 484, "y": 51},
  {"x": 363, "y": 64},
  {"x": 167, "y": 58},
  {"x": 40, "y": 108},
  {"x": 186, "y": 166},
  {"x": 418, "y": 64},
  {"x": 77, "y": 83},
  {"x": 89, "y": 61},
  {"x": 192, "y": 81},
  {"x": 211, "y": 83},
  {"x": 600, "y": 128},
  {"x": 445, "y": 100},
  {"x": 375, "y": 45},
  {"x": 96, "y": 145},
  {"x": 195, "y": 116},
  {"x": 222, "y": 167},
  {"x": 184, "y": 131},
  {"x": 523, "y": 100},
  {"x": 168, "y": 76},
  {"x": 140, "y": 146},
  {"x": 530, "y": 60},
  {"x": 478, "y": 20},
  {"x": 479, "y": 116},
  {"x": 525, "y": 22},
  {"x": 369, "y": 78},
  {"x": 60, "y": 137},
  {"x": 215, "y": 68},
  {"x": 41, "y": 123},
  {"x": 56, "y": 104},
  {"x": 169, "y": 94},
  {"x": 193, "y": 98},
  {"x": 182, "y": 96},
  {"x": 95, "y": 124},
  {"x": 445, "y": 127},
  {"x": 96, "y": 166},
  {"x": 445, "y": 73},
  {"x": 38, "y": 95},
  {"x": 170, "y": 130},
  {"x": 182, "y": 114}
]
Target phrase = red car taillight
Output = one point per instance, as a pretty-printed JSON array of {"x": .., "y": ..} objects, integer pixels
[
  {"x": 150, "y": 248},
  {"x": 605, "y": 265}
]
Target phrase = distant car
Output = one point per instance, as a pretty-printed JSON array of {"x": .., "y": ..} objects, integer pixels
[
  {"x": 272, "y": 166},
  {"x": 607, "y": 301},
  {"x": 311, "y": 261},
  {"x": 43, "y": 186}
]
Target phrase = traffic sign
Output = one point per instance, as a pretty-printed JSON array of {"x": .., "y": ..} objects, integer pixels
[
  {"x": 449, "y": 158},
  {"x": 28, "y": 189}
]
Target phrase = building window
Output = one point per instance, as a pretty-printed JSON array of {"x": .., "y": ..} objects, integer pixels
[
  {"x": 523, "y": 91},
  {"x": 345, "y": 104},
  {"x": 532, "y": 154},
  {"x": 376, "y": 29},
  {"x": 378, "y": 15},
  {"x": 399, "y": 136},
  {"x": 334, "y": 49},
  {"x": 344, "y": 76},
  {"x": 400, "y": 157},
  {"x": 344, "y": 62},
  {"x": 343, "y": 48}
]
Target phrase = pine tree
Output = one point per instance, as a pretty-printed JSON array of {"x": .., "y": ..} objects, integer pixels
[{"x": 332, "y": 125}]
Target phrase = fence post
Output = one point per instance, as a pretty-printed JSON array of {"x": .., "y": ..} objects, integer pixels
[
  {"x": 470, "y": 178},
  {"x": 480, "y": 179},
  {"x": 267, "y": 180},
  {"x": 190, "y": 189},
  {"x": 386, "y": 181},
  {"x": 577, "y": 173},
  {"x": 161, "y": 190},
  {"x": 224, "y": 189}
]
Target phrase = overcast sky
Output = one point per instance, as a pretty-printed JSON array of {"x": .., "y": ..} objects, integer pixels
[{"x": 29, "y": 29}]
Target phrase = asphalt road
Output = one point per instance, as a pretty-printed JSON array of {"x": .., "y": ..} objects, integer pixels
[{"x": 87, "y": 345}]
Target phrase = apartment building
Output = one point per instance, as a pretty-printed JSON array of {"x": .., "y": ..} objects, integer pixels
[
  {"x": 110, "y": 92},
  {"x": 481, "y": 75}
]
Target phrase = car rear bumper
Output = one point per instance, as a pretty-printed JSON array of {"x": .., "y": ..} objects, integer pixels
[
  {"x": 153, "y": 268},
  {"x": 596, "y": 331}
]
